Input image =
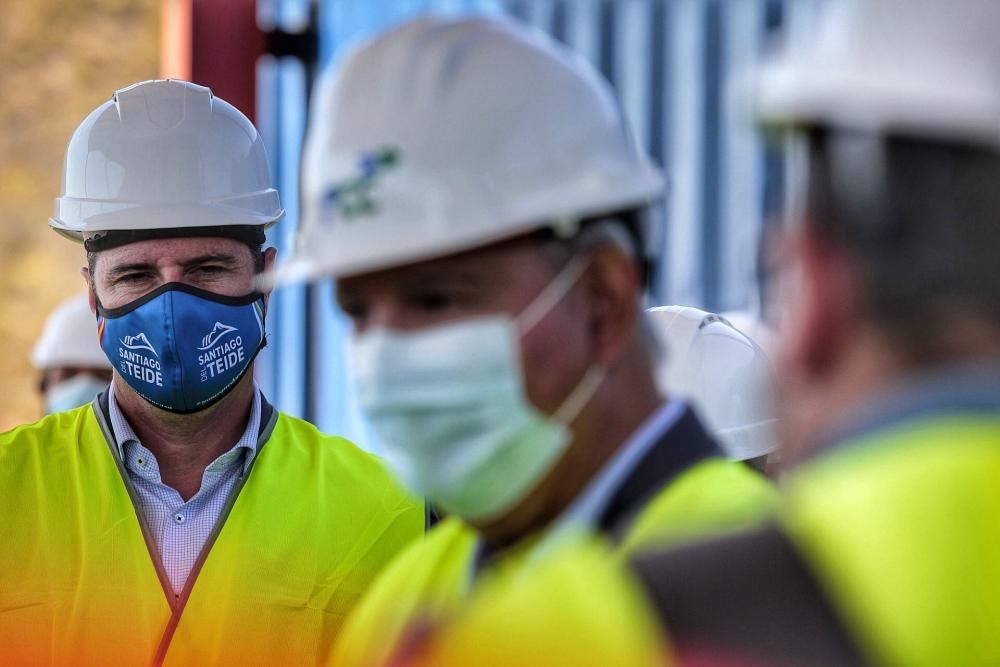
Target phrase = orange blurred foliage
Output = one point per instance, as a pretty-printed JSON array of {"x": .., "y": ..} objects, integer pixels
[{"x": 60, "y": 60}]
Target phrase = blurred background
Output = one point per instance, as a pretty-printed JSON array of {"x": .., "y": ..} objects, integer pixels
[
  {"x": 60, "y": 60},
  {"x": 672, "y": 62}
]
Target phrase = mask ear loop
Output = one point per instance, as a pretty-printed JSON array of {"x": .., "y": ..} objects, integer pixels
[
  {"x": 553, "y": 293},
  {"x": 581, "y": 395},
  {"x": 536, "y": 312}
]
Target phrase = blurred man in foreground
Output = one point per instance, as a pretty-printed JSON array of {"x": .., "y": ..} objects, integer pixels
[
  {"x": 888, "y": 549},
  {"x": 179, "y": 518},
  {"x": 473, "y": 189},
  {"x": 74, "y": 368}
]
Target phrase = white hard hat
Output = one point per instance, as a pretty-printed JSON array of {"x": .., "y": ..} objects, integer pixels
[
  {"x": 444, "y": 135},
  {"x": 924, "y": 67},
  {"x": 755, "y": 328},
  {"x": 162, "y": 155},
  {"x": 723, "y": 373},
  {"x": 69, "y": 339}
]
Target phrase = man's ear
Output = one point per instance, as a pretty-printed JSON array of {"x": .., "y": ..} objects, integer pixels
[
  {"x": 821, "y": 308},
  {"x": 269, "y": 256},
  {"x": 612, "y": 287},
  {"x": 91, "y": 295}
]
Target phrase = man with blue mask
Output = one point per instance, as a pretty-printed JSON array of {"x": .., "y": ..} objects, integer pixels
[
  {"x": 180, "y": 518},
  {"x": 74, "y": 368},
  {"x": 473, "y": 189}
]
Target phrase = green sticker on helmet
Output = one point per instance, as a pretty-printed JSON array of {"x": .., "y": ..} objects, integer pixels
[{"x": 353, "y": 199}]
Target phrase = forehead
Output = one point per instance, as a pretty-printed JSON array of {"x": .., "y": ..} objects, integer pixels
[{"x": 165, "y": 252}]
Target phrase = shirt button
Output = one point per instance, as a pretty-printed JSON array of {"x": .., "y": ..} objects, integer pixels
[
  {"x": 179, "y": 518},
  {"x": 141, "y": 462}
]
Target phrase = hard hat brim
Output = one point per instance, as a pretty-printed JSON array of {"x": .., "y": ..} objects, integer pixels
[
  {"x": 162, "y": 217},
  {"x": 803, "y": 93},
  {"x": 312, "y": 261}
]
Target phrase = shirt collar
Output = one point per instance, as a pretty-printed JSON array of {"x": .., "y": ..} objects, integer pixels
[
  {"x": 123, "y": 431},
  {"x": 583, "y": 514}
]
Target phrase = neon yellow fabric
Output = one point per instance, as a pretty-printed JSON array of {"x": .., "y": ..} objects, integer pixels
[
  {"x": 70, "y": 594},
  {"x": 711, "y": 497},
  {"x": 315, "y": 521},
  {"x": 708, "y": 496},
  {"x": 426, "y": 582},
  {"x": 904, "y": 532},
  {"x": 575, "y": 606}
]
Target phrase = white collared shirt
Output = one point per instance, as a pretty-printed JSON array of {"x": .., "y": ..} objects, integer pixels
[
  {"x": 180, "y": 529},
  {"x": 584, "y": 512}
]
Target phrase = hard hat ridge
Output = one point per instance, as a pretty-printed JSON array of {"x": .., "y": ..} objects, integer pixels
[{"x": 171, "y": 105}]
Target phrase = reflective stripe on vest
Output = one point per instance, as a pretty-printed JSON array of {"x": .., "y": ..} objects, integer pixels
[
  {"x": 432, "y": 577},
  {"x": 313, "y": 523},
  {"x": 903, "y": 531}
]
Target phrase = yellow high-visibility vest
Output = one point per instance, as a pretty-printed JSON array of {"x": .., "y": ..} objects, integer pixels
[
  {"x": 80, "y": 584},
  {"x": 903, "y": 531},
  {"x": 432, "y": 578},
  {"x": 576, "y": 604}
]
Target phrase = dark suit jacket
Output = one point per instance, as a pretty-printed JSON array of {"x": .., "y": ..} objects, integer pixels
[{"x": 680, "y": 446}]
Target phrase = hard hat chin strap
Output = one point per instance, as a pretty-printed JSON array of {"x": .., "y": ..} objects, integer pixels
[{"x": 105, "y": 240}]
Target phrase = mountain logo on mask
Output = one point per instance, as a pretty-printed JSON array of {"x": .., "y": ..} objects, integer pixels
[
  {"x": 218, "y": 332},
  {"x": 138, "y": 342}
]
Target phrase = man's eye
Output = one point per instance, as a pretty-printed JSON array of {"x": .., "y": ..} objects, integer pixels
[
  {"x": 211, "y": 270},
  {"x": 435, "y": 300},
  {"x": 133, "y": 277}
]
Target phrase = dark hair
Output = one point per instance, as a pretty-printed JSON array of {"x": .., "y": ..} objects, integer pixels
[
  {"x": 922, "y": 219},
  {"x": 632, "y": 221}
]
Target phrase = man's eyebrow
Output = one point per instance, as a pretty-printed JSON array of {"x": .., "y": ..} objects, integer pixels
[
  {"x": 122, "y": 269},
  {"x": 217, "y": 257}
]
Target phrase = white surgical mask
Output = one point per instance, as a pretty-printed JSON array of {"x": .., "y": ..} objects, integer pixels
[
  {"x": 72, "y": 393},
  {"x": 449, "y": 405}
]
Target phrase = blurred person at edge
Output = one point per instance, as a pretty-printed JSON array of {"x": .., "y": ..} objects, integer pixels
[
  {"x": 73, "y": 367},
  {"x": 181, "y": 472},
  {"x": 474, "y": 191},
  {"x": 887, "y": 549}
]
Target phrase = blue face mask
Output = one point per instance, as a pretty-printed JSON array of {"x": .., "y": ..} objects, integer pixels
[{"x": 182, "y": 348}]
